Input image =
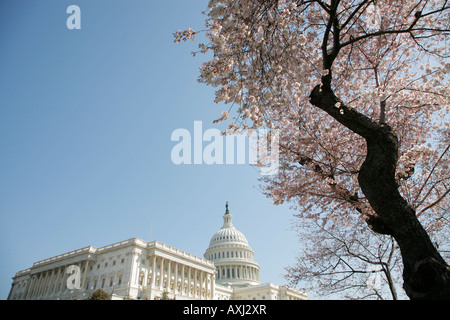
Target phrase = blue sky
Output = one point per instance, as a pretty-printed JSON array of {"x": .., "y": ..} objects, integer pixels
[{"x": 86, "y": 118}]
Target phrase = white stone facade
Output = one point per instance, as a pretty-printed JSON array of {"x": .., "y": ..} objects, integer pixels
[
  {"x": 128, "y": 269},
  {"x": 137, "y": 269}
]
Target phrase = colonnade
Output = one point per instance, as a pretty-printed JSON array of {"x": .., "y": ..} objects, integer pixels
[
  {"x": 178, "y": 278},
  {"x": 237, "y": 272},
  {"x": 52, "y": 282}
]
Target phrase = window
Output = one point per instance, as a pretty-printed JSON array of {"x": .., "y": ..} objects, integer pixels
[
  {"x": 103, "y": 282},
  {"x": 122, "y": 261}
]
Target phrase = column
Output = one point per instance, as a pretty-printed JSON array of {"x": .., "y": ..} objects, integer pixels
[
  {"x": 83, "y": 281},
  {"x": 195, "y": 283},
  {"x": 25, "y": 293},
  {"x": 44, "y": 281},
  {"x": 41, "y": 284},
  {"x": 206, "y": 285},
  {"x": 61, "y": 281},
  {"x": 169, "y": 273},
  {"x": 175, "y": 287},
  {"x": 161, "y": 273},
  {"x": 189, "y": 281},
  {"x": 182, "y": 280},
  {"x": 152, "y": 284},
  {"x": 202, "y": 280},
  {"x": 145, "y": 280},
  {"x": 35, "y": 282},
  {"x": 31, "y": 287},
  {"x": 38, "y": 285},
  {"x": 47, "y": 283},
  {"x": 213, "y": 287},
  {"x": 56, "y": 280},
  {"x": 52, "y": 283}
]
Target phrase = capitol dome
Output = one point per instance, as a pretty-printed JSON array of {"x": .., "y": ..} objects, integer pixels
[{"x": 232, "y": 255}]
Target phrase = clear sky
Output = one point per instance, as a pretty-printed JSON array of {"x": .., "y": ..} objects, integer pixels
[{"x": 86, "y": 118}]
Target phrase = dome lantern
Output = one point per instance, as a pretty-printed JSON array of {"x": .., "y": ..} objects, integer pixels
[{"x": 227, "y": 218}]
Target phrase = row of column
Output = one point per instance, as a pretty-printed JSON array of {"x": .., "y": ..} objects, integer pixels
[
  {"x": 178, "y": 279},
  {"x": 51, "y": 282},
  {"x": 237, "y": 272}
]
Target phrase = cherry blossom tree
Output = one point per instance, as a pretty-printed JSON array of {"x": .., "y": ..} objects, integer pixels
[
  {"x": 359, "y": 92},
  {"x": 346, "y": 262},
  {"x": 352, "y": 262}
]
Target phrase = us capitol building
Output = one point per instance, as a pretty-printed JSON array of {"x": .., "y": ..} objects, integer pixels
[{"x": 137, "y": 269}]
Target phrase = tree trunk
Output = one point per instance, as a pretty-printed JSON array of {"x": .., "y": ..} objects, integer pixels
[{"x": 426, "y": 275}]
